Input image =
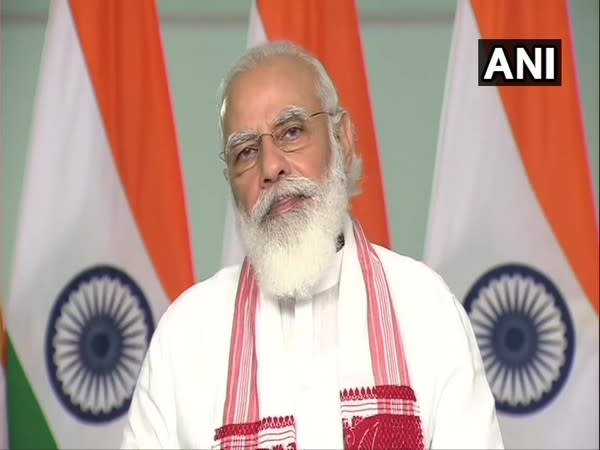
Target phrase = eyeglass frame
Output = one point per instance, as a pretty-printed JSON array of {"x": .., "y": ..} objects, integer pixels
[{"x": 223, "y": 155}]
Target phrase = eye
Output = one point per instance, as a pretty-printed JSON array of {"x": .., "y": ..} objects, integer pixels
[
  {"x": 246, "y": 153},
  {"x": 292, "y": 133}
]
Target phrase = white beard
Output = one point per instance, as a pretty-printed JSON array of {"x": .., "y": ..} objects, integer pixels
[{"x": 291, "y": 252}]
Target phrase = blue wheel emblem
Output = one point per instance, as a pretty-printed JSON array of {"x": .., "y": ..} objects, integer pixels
[
  {"x": 97, "y": 336},
  {"x": 525, "y": 335}
]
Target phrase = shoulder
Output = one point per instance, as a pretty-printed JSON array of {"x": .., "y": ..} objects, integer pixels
[
  {"x": 427, "y": 309},
  {"x": 422, "y": 296},
  {"x": 203, "y": 307},
  {"x": 184, "y": 373},
  {"x": 412, "y": 274}
]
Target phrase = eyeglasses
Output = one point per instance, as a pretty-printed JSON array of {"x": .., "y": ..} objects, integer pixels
[{"x": 292, "y": 132}]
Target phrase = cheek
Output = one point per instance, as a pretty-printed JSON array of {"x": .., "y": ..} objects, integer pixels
[
  {"x": 312, "y": 163},
  {"x": 244, "y": 196},
  {"x": 318, "y": 166}
]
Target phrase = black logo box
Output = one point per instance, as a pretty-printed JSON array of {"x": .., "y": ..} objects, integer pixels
[{"x": 509, "y": 50}]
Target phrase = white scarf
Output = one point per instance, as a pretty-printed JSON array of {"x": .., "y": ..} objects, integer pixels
[{"x": 378, "y": 408}]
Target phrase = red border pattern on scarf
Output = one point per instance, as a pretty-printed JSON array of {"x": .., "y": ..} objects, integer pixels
[
  {"x": 381, "y": 417},
  {"x": 269, "y": 432}
]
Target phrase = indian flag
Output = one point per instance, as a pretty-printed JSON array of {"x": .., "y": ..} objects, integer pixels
[
  {"x": 103, "y": 242},
  {"x": 329, "y": 30},
  {"x": 513, "y": 229}
]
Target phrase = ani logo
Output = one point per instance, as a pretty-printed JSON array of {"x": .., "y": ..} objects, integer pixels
[
  {"x": 525, "y": 335},
  {"x": 97, "y": 336}
]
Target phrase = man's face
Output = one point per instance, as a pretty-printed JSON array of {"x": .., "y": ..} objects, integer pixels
[{"x": 256, "y": 101}]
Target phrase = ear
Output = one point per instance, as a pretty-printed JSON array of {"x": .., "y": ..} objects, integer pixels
[{"x": 346, "y": 137}]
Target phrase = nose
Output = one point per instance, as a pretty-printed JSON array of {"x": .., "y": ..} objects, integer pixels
[{"x": 272, "y": 161}]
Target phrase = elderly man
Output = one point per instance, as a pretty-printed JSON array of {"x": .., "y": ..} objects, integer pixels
[{"x": 319, "y": 339}]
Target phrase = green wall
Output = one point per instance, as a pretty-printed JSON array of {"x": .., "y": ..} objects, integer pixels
[{"x": 406, "y": 45}]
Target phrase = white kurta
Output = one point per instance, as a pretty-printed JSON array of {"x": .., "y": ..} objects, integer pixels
[
  {"x": 309, "y": 330},
  {"x": 179, "y": 399}
]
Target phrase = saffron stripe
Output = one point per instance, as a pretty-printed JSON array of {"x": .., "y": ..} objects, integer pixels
[{"x": 140, "y": 126}]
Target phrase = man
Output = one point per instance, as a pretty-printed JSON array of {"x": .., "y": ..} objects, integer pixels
[{"x": 320, "y": 339}]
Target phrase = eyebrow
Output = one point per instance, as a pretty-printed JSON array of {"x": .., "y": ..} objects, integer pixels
[
  {"x": 288, "y": 114},
  {"x": 240, "y": 137}
]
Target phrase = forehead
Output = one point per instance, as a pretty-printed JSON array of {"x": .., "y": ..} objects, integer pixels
[{"x": 256, "y": 97}]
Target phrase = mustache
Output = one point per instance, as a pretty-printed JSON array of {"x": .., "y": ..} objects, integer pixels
[{"x": 287, "y": 188}]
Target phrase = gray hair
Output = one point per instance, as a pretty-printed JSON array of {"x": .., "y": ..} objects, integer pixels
[{"x": 326, "y": 92}]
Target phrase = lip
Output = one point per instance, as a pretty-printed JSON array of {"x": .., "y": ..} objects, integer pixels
[{"x": 284, "y": 205}]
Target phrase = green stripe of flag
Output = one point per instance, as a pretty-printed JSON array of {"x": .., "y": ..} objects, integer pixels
[{"x": 27, "y": 426}]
